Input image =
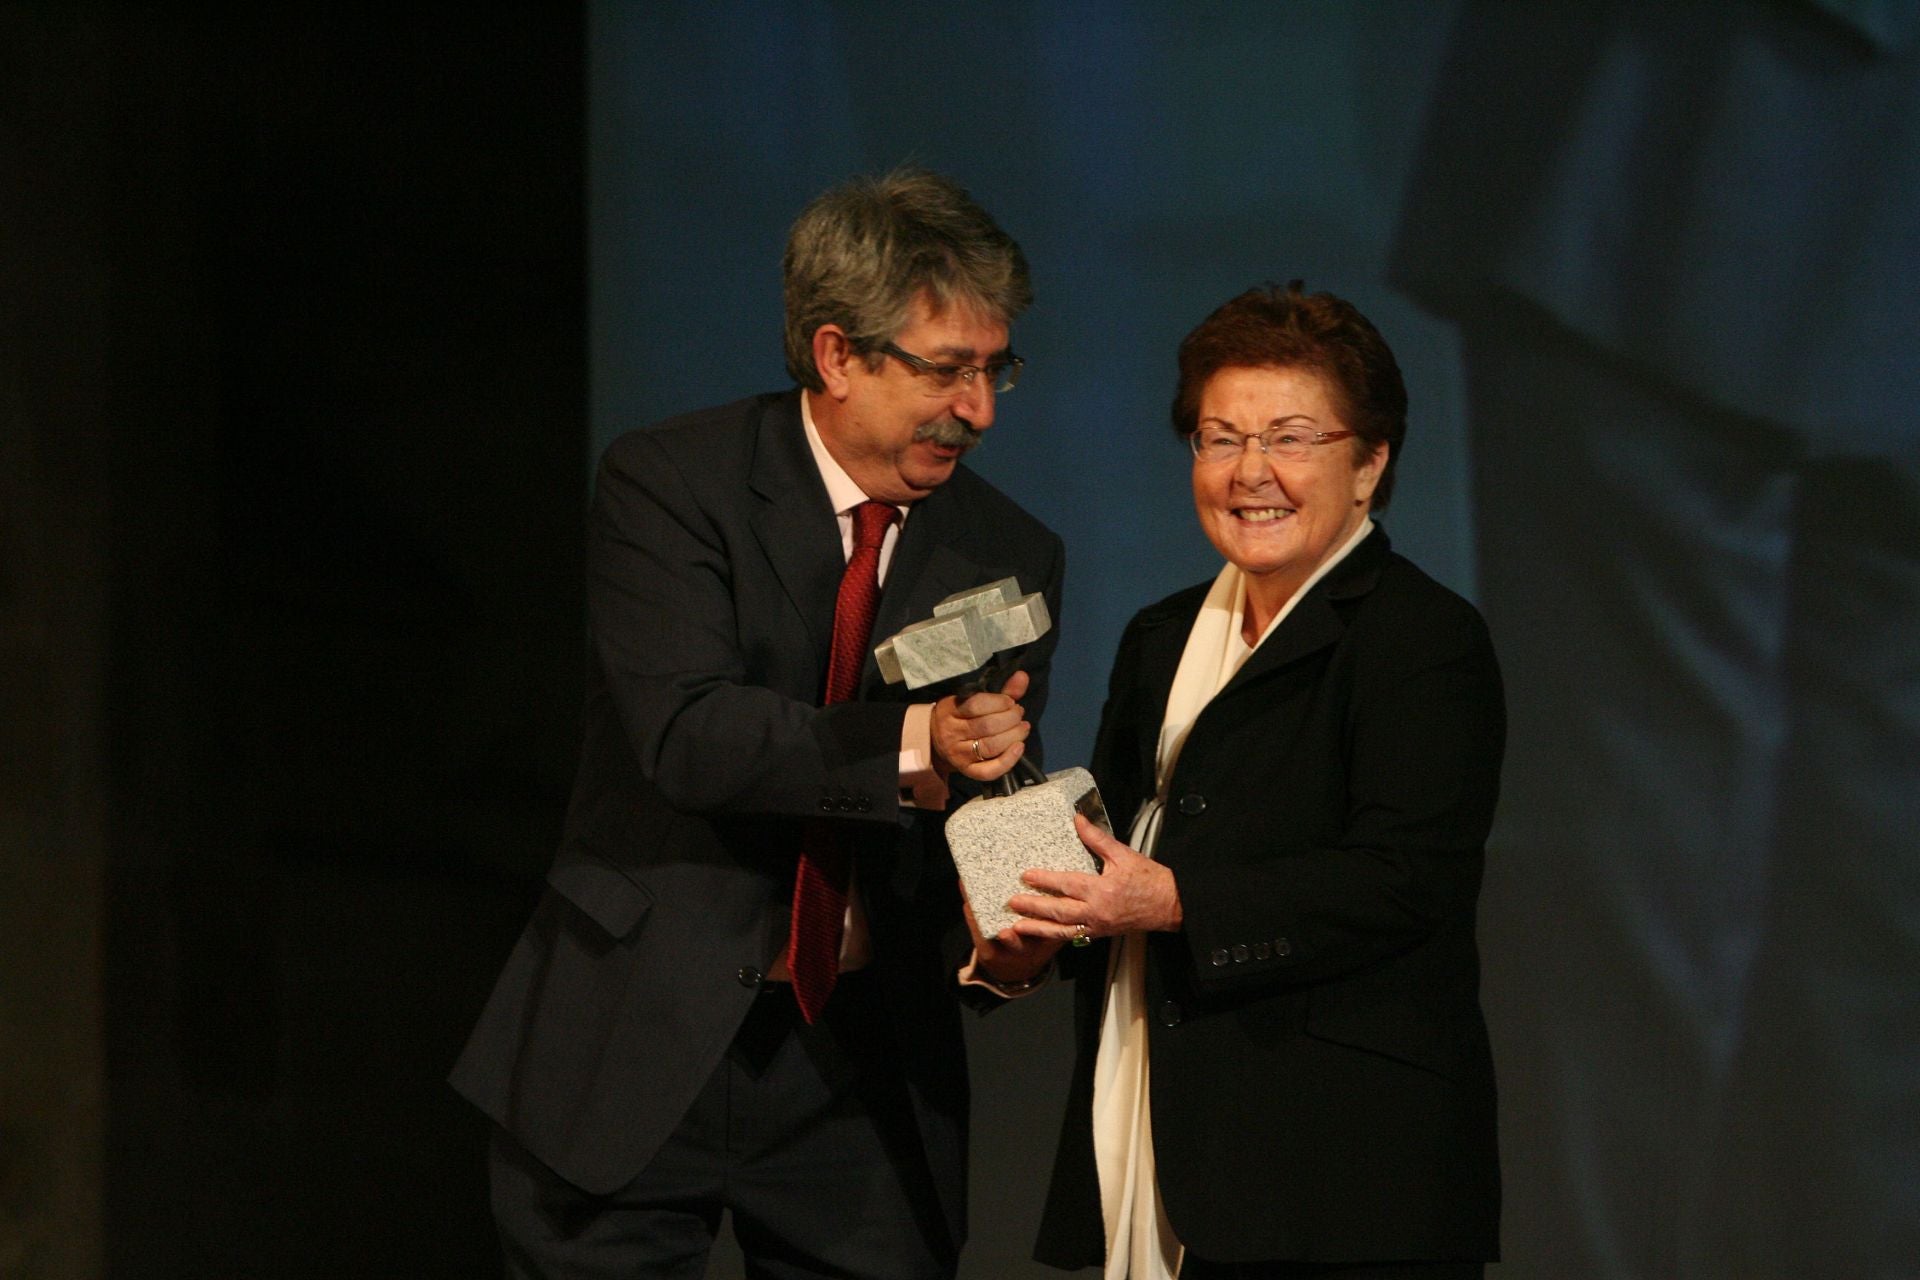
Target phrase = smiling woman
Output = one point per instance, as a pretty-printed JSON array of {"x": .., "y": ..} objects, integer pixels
[
  {"x": 1305, "y": 754},
  {"x": 1277, "y": 509},
  {"x": 1293, "y": 372}
]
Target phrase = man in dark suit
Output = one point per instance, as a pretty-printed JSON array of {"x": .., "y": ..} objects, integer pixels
[{"x": 669, "y": 1039}]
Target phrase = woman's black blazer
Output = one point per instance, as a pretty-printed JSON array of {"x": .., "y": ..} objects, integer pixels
[{"x": 1322, "y": 1087}]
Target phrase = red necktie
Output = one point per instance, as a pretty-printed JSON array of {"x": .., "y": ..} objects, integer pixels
[{"x": 820, "y": 886}]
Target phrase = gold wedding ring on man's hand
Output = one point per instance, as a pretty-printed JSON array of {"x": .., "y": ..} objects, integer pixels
[
  {"x": 976, "y": 751},
  {"x": 1080, "y": 936}
]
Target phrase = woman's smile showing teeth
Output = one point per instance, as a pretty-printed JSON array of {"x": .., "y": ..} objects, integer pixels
[{"x": 1278, "y": 517}]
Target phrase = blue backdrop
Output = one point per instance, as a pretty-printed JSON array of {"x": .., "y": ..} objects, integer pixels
[{"x": 1648, "y": 272}]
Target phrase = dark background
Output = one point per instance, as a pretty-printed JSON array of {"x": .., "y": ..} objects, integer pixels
[
  {"x": 312, "y": 321},
  {"x": 295, "y": 443}
]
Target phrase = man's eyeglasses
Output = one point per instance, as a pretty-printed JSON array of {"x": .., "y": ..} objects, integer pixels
[
  {"x": 945, "y": 379},
  {"x": 1290, "y": 444}
]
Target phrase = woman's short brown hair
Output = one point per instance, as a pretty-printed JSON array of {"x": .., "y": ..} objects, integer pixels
[{"x": 1273, "y": 328}]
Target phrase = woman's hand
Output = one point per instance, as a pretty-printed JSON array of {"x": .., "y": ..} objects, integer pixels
[
  {"x": 1132, "y": 894},
  {"x": 1007, "y": 957},
  {"x": 985, "y": 735}
]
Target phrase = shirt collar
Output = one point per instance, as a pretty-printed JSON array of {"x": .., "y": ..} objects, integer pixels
[{"x": 842, "y": 491}]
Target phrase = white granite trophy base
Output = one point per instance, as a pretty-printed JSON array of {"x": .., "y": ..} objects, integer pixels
[{"x": 995, "y": 838}]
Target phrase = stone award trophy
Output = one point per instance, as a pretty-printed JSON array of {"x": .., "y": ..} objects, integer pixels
[{"x": 1029, "y": 822}]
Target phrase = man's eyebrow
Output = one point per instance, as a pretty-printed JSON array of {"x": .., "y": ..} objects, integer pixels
[{"x": 967, "y": 355}]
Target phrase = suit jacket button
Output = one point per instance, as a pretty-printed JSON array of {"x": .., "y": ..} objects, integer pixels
[
  {"x": 1219, "y": 957},
  {"x": 1170, "y": 1014},
  {"x": 1240, "y": 954},
  {"x": 748, "y": 976},
  {"x": 1282, "y": 948},
  {"x": 1193, "y": 804},
  {"x": 1263, "y": 951},
  {"x": 826, "y": 804},
  {"x": 863, "y": 805}
]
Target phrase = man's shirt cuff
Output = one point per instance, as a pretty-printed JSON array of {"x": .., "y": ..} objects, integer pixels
[
  {"x": 921, "y": 786},
  {"x": 971, "y": 975}
]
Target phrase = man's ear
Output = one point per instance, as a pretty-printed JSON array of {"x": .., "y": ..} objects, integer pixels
[{"x": 833, "y": 353}]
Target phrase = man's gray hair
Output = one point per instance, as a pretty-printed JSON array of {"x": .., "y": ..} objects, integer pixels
[{"x": 859, "y": 254}]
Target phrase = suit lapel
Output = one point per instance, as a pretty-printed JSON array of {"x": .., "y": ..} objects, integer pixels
[
  {"x": 794, "y": 521},
  {"x": 1315, "y": 622},
  {"x": 1163, "y": 641},
  {"x": 1313, "y": 625},
  {"x": 795, "y": 525}
]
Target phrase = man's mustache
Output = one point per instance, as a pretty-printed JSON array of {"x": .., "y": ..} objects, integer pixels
[{"x": 949, "y": 433}]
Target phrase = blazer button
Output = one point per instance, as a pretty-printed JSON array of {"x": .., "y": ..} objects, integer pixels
[
  {"x": 826, "y": 804},
  {"x": 1263, "y": 951},
  {"x": 1240, "y": 954},
  {"x": 1170, "y": 1014},
  {"x": 1193, "y": 804},
  {"x": 1282, "y": 948},
  {"x": 863, "y": 805},
  {"x": 748, "y": 976},
  {"x": 1219, "y": 957}
]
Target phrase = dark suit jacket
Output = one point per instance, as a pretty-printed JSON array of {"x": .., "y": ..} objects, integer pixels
[
  {"x": 1322, "y": 1087},
  {"x": 714, "y": 560}
]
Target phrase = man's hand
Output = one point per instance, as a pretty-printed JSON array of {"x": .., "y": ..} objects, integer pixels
[
  {"x": 985, "y": 735},
  {"x": 1007, "y": 957},
  {"x": 1132, "y": 894}
]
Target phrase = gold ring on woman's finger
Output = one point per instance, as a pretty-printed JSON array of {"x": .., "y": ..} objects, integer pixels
[{"x": 976, "y": 750}]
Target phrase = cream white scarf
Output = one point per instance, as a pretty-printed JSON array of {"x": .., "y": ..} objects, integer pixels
[{"x": 1140, "y": 1241}]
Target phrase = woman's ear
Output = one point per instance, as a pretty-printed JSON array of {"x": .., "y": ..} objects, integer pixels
[{"x": 1366, "y": 476}]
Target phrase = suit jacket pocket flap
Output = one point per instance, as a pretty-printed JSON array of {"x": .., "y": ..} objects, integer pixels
[
  {"x": 1393, "y": 1031},
  {"x": 604, "y": 893}
]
